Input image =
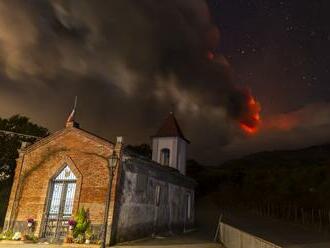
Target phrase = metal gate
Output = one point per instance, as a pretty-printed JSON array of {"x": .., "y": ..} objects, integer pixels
[{"x": 60, "y": 205}]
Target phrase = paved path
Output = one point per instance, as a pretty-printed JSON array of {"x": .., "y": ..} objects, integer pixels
[
  {"x": 142, "y": 246},
  {"x": 200, "y": 239},
  {"x": 279, "y": 232},
  {"x": 191, "y": 240}
]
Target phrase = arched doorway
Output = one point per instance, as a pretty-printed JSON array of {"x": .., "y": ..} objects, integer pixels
[{"x": 60, "y": 204}]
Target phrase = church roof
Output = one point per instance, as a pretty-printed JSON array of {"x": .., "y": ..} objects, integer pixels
[
  {"x": 170, "y": 128},
  {"x": 144, "y": 166},
  {"x": 64, "y": 131}
]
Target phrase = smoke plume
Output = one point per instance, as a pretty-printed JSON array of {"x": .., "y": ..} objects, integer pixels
[{"x": 126, "y": 57}]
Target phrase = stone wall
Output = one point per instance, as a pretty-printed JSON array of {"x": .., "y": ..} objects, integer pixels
[{"x": 138, "y": 214}]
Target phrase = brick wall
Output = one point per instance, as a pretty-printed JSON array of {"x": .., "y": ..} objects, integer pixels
[{"x": 86, "y": 156}]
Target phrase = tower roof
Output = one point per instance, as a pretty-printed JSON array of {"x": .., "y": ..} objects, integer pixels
[{"x": 170, "y": 128}]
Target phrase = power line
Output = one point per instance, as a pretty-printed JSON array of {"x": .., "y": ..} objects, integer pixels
[{"x": 20, "y": 134}]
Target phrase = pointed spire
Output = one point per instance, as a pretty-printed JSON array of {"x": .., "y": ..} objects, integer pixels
[
  {"x": 170, "y": 128},
  {"x": 71, "y": 119}
]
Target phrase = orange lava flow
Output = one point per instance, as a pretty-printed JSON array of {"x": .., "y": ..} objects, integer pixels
[
  {"x": 248, "y": 129},
  {"x": 250, "y": 124}
]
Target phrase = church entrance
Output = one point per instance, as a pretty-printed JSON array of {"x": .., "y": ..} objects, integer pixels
[{"x": 60, "y": 205}]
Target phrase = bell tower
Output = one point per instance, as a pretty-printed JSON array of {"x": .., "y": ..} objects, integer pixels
[{"x": 169, "y": 146}]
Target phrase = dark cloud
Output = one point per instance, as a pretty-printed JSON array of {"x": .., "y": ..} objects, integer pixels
[
  {"x": 160, "y": 46},
  {"x": 128, "y": 61}
]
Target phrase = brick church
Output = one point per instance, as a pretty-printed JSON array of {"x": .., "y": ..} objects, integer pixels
[{"x": 135, "y": 197}]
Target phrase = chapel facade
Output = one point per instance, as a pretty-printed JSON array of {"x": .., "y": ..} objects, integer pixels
[{"x": 69, "y": 170}]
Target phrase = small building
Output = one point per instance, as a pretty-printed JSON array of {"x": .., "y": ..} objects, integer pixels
[{"x": 70, "y": 169}]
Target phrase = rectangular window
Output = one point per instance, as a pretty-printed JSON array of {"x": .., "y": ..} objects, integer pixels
[
  {"x": 188, "y": 197},
  {"x": 157, "y": 195},
  {"x": 56, "y": 198},
  {"x": 69, "y": 200}
]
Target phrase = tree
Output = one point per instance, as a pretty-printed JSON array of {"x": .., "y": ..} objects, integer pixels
[
  {"x": 11, "y": 142},
  {"x": 142, "y": 150},
  {"x": 12, "y": 133}
]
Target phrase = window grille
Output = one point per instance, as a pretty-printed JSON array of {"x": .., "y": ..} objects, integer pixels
[
  {"x": 60, "y": 207},
  {"x": 66, "y": 175}
]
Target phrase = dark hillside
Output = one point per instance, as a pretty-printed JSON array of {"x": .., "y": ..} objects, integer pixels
[
  {"x": 299, "y": 177},
  {"x": 311, "y": 156},
  {"x": 289, "y": 185}
]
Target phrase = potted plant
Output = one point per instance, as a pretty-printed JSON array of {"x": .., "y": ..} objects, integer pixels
[
  {"x": 82, "y": 222},
  {"x": 79, "y": 239},
  {"x": 7, "y": 235},
  {"x": 88, "y": 235},
  {"x": 72, "y": 224},
  {"x": 30, "y": 222},
  {"x": 17, "y": 236},
  {"x": 30, "y": 238}
]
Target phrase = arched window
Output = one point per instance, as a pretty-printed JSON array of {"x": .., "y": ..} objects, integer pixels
[
  {"x": 61, "y": 199},
  {"x": 64, "y": 187},
  {"x": 165, "y": 157}
]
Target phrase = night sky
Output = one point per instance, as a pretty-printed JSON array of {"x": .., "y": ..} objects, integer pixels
[
  {"x": 130, "y": 63},
  {"x": 281, "y": 49}
]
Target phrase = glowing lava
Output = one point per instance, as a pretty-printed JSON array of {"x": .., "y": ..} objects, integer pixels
[
  {"x": 248, "y": 129},
  {"x": 251, "y": 121},
  {"x": 210, "y": 55}
]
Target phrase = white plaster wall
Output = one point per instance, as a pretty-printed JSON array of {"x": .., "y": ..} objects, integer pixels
[
  {"x": 165, "y": 142},
  {"x": 178, "y": 149},
  {"x": 182, "y": 157}
]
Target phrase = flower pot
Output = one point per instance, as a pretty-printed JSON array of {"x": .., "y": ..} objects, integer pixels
[
  {"x": 71, "y": 228},
  {"x": 68, "y": 240},
  {"x": 30, "y": 224},
  {"x": 87, "y": 241}
]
